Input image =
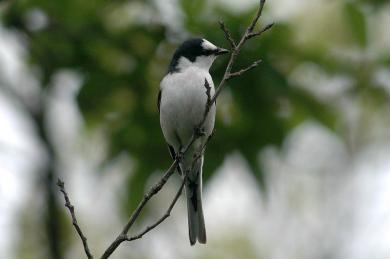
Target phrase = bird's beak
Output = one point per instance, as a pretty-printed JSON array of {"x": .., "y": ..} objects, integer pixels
[{"x": 221, "y": 51}]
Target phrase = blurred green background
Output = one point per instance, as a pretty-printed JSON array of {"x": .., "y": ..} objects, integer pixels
[{"x": 79, "y": 79}]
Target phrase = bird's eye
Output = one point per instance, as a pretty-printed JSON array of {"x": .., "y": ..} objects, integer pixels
[{"x": 208, "y": 52}]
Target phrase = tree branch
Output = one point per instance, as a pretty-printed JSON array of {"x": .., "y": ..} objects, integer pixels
[
  {"x": 254, "y": 34},
  {"x": 70, "y": 207},
  {"x": 242, "y": 71},
  {"x": 198, "y": 132},
  {"x": 258, "y": 14},
  {"x": 201, "y": 152},
  {"x": 152, "y": 191},
  {"x": 166, "y": 215},
  {"x": 235, "y": 51},
  {"x": 208, "y": 102},
  {"x": 228, "y": 36}
]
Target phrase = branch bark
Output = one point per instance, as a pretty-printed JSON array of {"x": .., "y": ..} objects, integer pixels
[
  {"x": 70, "y": 207},
  {"x": 123, "y": 236},
  {"x": 152, "y": 191},
  {"x": 236, "y": 48},
  {"x": 242, "y": 71},
  {"x": 228, "y": 36},
  {"x": 166, "y": 215}
]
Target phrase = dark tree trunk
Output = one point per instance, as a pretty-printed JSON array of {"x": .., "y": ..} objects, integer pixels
[{"x": 49, "y": 176}]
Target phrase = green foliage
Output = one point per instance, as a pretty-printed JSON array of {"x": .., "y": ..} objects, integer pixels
[
  {"x": 357, "y": 23},
  {"x": 123, "y": 59},
  {"x": 122, "y": 49}
]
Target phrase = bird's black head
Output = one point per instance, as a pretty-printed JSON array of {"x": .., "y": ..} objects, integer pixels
[{"x": 192, "y": 49}]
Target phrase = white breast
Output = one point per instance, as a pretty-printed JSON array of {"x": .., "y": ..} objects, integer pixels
[{"x": 182, "y": 106}]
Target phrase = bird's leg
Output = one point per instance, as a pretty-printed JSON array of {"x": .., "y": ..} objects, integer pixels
[
  {"x": 197, "y": 155},
  {"x": 179, "y": 155},
  {"x": 199, "y": 131}
]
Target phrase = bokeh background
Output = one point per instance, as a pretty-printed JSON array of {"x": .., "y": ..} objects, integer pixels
[{"x": 300, "y": 163}]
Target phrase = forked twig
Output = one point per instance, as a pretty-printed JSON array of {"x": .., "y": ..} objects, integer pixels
[
  {"x": 228, "y": 36},
  {"x": 70, "y": 207},
  {"x": 123, "y": 236},
  {"x": 237, "y": 48}
]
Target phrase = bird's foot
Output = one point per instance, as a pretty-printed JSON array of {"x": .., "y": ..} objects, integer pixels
[
  {"x": 199, "y": 131},
  {"x": 179, "y": 156},
  {"x": 197, "y": 155}
]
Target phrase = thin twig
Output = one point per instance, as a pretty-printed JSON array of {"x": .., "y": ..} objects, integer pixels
[
  {"x": 202, "y": 150},
  {"x": 152, "y": 191},
  {"x": 227, "y": 75},
  {"x": 70, "y": 207},
  {"x": 242, "y": 71},
  {"x": 227, "y": 35},
  {"x": 258, "y": 14},
  {"x": 166, "y": 215},
  {"x": 254, "y": 34},
  {"x": 208, "y": 101},
  {"x": 237, "y": 50},
  {"x": 123, "y": 236}
]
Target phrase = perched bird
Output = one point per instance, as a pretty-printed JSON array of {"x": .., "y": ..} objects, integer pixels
[{"x": 182, "y": 102}]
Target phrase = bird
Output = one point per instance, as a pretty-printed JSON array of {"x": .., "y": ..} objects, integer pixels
[{"x": 184, "y": 92}]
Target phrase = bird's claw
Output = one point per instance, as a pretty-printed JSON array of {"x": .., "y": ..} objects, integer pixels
[
  {"x": 179, "y": 156},
  {"x": 197, "y": 155},
  {"x": 199, "y": 132}
]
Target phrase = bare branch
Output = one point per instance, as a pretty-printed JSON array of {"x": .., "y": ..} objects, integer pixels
[
  {"x": 237, "y": 49},
  {"x": 198, "y": 132},
  {"x": 242, "y": 71},
  {"x": 70, "y": 207},
  {"x": 152, "y": 191},
  {"x": 208, "y": 90},
  {"x": 254, "y": 34},
  {"x": 166, "y": 215},
  {"x": 256, "y": 18},
  {"x": 228, "y": 36},
  {"x": 208, "y": 102},
  {"x": 201, "y": 152}
]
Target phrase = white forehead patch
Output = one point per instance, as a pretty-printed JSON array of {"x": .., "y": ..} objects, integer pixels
[{"x": 208, "y": 45}]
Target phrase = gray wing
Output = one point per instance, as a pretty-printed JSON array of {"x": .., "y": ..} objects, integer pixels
[
  {"x": 170, "y": 148},
  {"x": 159, "y": 100}
]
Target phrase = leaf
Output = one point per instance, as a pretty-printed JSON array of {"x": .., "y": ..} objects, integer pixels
[{"x": 357, "y": 22}]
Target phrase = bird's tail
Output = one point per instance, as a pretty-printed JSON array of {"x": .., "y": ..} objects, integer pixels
[{"x": 196, "y": 225}]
